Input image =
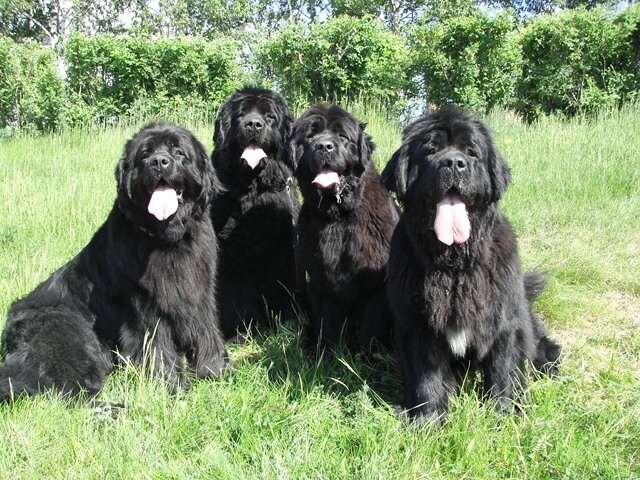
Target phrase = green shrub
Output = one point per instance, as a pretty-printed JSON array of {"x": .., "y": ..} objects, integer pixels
[
  {"x": 112, "y": 76},
  {"x": 32, "y": 94},
  {"x": 342, "y": 58},
  {"x": 579, "y": 61},
  {"x": 471, "y": 61}
]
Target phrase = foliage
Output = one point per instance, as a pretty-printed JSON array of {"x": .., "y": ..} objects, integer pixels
[
  {"x": 113, "y": 75},
  {"x": 579, "y": 61},
  {"x": 24, "y": 19},
  {"x": 399, "y": 14},
  {"x": 528, "y": 8},
  {"x": 576, "y": 62},
  {"x": 471, "y": 61},
  {"x": 52, "y": 21},
  {"x": 343, "y": 58},
  {"x": 32, "y": 95}
]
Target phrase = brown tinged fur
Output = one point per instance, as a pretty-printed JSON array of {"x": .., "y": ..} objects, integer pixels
[{"x": 344, "y": 230}]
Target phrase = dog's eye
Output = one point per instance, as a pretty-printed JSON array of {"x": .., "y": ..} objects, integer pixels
[
  {"x": 313, "y": 131},
  {"x": 472, "y": 152},
  {"x": 178, "y": 151},
  {"x": 344, "y": 137},
  {"x": 144, "y": 154},
  {"x": 270, "y": 116}
]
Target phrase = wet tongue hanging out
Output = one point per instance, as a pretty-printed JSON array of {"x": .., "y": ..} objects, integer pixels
[
  {"x": 252, "y": 155},
  {"x": 452, "y": 220},
  {"x": 326, "y": 179},
  {"x": 163, "y": 203}
]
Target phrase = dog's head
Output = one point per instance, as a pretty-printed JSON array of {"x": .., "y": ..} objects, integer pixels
[
  {"x": 448, "y": 171},
  {"x": 251, "y": 130},
  {"x": 165, "y": 181},
  {"x": 332, "y": 151}
]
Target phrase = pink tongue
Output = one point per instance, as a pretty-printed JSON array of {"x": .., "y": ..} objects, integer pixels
[
  {"x": 452, "y": 221},
  {"x": 252, "y": 155},
  {"x": 326, "y": 179},
  {"x": 163, "y": 203}
]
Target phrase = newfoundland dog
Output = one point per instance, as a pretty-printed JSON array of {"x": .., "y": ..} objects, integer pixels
[
  {"x": 344, "y": 229},
  {"x": 144, "y": 285},
  {"x": 455, "y": 283},
  {"x": 254, "y": 217}
]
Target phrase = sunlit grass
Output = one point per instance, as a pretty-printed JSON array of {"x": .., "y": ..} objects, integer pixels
[{"x": 283, "y": 413}]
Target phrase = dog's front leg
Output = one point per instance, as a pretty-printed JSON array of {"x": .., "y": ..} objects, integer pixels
[{"x": 428, "y": 377}]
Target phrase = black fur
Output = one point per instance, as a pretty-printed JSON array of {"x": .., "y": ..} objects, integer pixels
[
  {"x": 477, "y": 287},
  {"x": 139, "y": 281},
  {"x": 344, "y": 230},
  {"x": 255, "y": 217}
]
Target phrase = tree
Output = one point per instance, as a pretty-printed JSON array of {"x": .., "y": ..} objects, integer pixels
[
  {"x": 52, "y": 21},
  {"x": 528, "y": 8},
  {"x": 22, "y": 19},
  {"x": 398, "y": 13}
]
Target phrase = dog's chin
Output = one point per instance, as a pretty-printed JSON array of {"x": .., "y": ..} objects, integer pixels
[{"x": 174, "y": 228}]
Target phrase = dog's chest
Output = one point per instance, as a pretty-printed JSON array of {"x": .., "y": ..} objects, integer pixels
[
  {"x": 178, "y": 282},
  {"x": 336, "y": 244},
  {"x": 456, "y": 305},
  {"x": 340, "y": 251}
]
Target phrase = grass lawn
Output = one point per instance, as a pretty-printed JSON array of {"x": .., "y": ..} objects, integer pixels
[{"x": 575, "y": 203}]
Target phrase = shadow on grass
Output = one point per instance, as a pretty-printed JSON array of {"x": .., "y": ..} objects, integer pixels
[{"x": 293, "y": 362}]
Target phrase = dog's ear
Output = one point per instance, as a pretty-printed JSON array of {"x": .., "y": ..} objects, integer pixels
[
  {"x": 296, "y": 149},
  {"x": 499, "y": 173},
  {"x": 287, "y": 138},
  {"x": 365, "y": 148},
  {"x": 126, "y": 161},
  {"x": 287, "y": 117},
  {"x": 123, "y": 163},
  {"x": 222, "y": 125},
  {"x": 396, "y": 176}
]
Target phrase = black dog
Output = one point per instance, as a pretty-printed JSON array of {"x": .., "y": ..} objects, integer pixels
[
  {"x": 145, "y": 278},
  {"x": 455, "y": 280},
  {"x": 255, "y": 217},
  {"x": 344, "y": 228}
]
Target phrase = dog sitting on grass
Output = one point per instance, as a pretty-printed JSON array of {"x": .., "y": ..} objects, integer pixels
[
  {"x": 144, "y": 283},
  {"x": 456, "y": 288},
  {"x": 344, "y": 228}
]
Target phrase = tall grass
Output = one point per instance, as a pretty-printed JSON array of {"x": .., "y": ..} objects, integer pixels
[{"x": 282, "y": 413}]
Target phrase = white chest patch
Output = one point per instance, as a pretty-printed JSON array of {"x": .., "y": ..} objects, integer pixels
[{"x": 458, "y": 341}]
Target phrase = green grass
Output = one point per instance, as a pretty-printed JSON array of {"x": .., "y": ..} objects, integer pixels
[{"x": 280, "y": 414}]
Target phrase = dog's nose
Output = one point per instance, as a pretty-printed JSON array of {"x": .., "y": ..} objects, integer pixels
[
  {"x": 457, "y": 162},
  {"x": 324, "y": 146},
  {"x": 161, "y": 162},
  {"x": 253, "y": 122}
]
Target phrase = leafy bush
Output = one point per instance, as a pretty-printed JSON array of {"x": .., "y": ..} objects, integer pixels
[
  {"x": 114, "y": 75},
  {"x": 342, "y": 58},
  {"x": 32, "y": 94},
  {"x": 471, "y": 61},
  {"x": 575, "y": 62},
  {"x": 579, "y": 61}
]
